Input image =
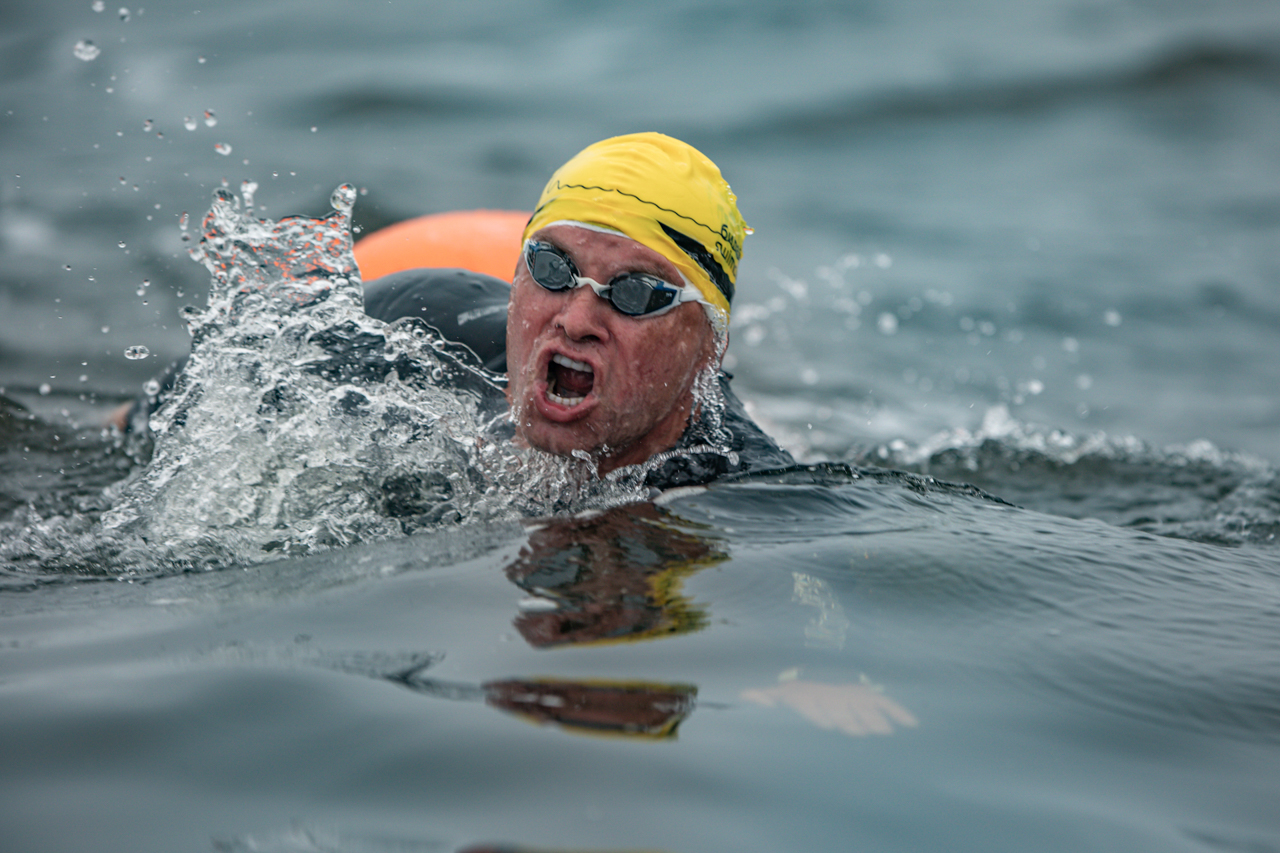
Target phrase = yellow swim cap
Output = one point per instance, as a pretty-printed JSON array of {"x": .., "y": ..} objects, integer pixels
[{"x": 660, "y": 192}]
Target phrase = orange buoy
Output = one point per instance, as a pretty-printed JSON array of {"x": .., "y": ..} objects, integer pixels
[{"x": 484, "y": 241}]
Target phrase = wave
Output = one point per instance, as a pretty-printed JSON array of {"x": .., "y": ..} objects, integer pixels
[{"x": 1194, "y": 491}]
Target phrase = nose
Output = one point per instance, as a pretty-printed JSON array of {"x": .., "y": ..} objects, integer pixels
[{"x": 583, "y": 316}]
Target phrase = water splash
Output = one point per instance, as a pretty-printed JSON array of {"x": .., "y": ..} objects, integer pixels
[
  {"x": 299, "y": 422},
  {"x": 86, "y": 51}
]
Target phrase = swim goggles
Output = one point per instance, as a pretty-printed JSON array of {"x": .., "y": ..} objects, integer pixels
[{"x": 634, "y": 294}]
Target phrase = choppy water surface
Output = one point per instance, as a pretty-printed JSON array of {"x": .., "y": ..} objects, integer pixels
[{"x": 1012, "y": 297}]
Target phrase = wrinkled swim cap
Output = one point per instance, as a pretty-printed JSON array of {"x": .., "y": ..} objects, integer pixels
[{"x": 660, "y": 192}]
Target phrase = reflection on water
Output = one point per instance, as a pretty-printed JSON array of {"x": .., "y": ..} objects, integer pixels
[
  {"x": 615, "y": 576},
  {"x": 600, "y": 706}
]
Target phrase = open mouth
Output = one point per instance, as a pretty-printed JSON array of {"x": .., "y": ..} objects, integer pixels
[{"x": 568, "y": 381}]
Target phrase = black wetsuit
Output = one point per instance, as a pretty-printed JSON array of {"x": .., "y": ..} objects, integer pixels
[{"x": 471, "y": 309}]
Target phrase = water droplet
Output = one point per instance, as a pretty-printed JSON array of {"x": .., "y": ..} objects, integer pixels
[
  {"x": 887, "y": 324},
  {"x": 247, "y": 189},
  {"x": 98, "y": 5},
  {"x": 200, "y": 59},
  {"x": 189, "y": 123},
  {"x": 124, "y": 14},
  {"x": 222, "y": 148},
  {"x": 84, "y": 377},
  {"x": 183, "y": 220},
  {"x": 135, "y": 353},
  {"x": 106, "y": 329},
  {"x": 151, "y": 387},
  {"x": 45, "y": 389},
  {"x": 1111, "y": 317},
  {"x": 148, "y": 125},
  {"x": 122, "y": 245},
  {"x": 224, "y": 200},
  {"x": 67, "y": 268},
  {"x": 210, "y": 120},
  {"x": 314, "y": 128},
  {"x": 343, "y": 198},
  {"x": 86, "y": 50}
]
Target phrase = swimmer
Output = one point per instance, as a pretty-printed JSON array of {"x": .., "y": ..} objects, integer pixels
[
  {"x": 617, "y": 314},
  {"x": 618, "y": 307}
]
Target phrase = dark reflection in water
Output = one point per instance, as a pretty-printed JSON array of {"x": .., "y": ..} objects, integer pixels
[
  {"x": 612, "y": 577},
  {"x": 600, "y": 706}
]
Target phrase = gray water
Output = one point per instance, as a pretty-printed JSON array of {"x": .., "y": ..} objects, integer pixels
[{"x": 1027, "y": 246}]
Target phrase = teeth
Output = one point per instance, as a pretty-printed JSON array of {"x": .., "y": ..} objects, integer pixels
[
  {"x": 567, "y": 402},
  {"x": 565, "y": 361}
]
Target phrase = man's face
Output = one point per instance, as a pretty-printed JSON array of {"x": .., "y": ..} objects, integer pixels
[{"x": 584, "y": 376}]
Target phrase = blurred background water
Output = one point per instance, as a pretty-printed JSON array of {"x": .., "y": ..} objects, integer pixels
[{"x": 1030, "y": 245}]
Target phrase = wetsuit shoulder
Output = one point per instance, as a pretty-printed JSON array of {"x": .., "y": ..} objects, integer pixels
[
  {"x": 750, "y": 448},
  {"x": 463, "y": 306}
]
